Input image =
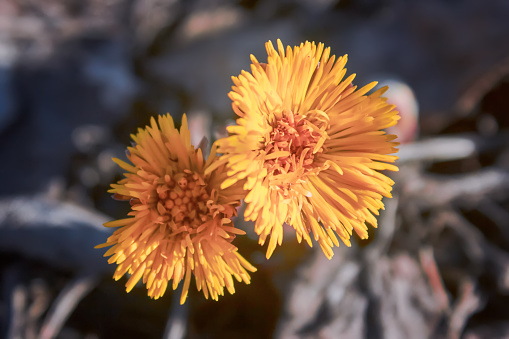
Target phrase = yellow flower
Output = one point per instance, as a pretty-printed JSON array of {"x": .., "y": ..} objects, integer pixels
[
  {"x": 180, "y": 221},
  {"x": 310, "y": 145}
]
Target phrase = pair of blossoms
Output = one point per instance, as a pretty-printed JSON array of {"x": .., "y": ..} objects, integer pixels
[{"x": 305, "y": 153}]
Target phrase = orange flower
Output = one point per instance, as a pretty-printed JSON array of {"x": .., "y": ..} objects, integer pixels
[
  {"x": 310, "y": 145},
  {"x": 180, "y": 221}
]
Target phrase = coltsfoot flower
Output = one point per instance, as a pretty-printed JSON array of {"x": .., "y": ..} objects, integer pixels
[
  {"x": 180, "y": 223},
  {"x": 309, "y": 146}
]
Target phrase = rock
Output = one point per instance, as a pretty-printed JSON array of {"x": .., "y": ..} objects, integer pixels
[
  {"x": 202, "y": 68},
  {"x": 62, "y": 99},
  {"x": 59, "y": 234},
  {"x": 7, "y": 102}
]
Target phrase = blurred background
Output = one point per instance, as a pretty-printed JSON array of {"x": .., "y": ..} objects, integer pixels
[{"x": 78, "y": 76}]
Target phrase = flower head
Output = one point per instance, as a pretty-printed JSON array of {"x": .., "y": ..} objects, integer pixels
[
  {"x": 180, "y": 223},
  {"x": 309, "y": 146}
]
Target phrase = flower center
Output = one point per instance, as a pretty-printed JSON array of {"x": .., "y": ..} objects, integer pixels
[
  {"x": 292, "y": 145},
  {"x": 182, "y": 199}
]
